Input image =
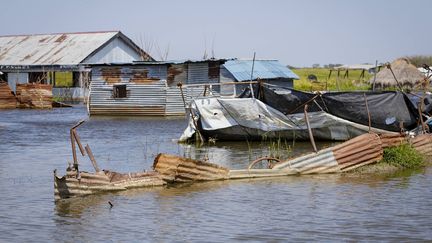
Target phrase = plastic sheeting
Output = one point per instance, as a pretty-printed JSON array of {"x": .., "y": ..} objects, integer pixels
[
  {"x": 248, "y": 118},
  {"x": 388, "y": 110}
]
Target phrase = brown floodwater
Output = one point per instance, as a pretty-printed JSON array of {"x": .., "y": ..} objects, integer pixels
[{"x": 390, "y": 207}]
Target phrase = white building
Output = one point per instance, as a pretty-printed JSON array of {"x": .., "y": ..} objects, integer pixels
[{"x": 63, "y": 58}]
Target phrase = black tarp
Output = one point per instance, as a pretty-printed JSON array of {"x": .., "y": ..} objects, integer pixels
[{"x": 388, "y": 109}]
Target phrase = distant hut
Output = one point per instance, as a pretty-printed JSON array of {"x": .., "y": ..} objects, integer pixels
[{"x": 407, "y": 75}]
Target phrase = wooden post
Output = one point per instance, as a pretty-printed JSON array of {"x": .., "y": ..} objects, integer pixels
[
  {"x": 72, "y": 138},
  {"x": 78, "y": 141},
  {"x": 337, "y": 80},
  {"x": 250, "y": 85},
  {"x": 375, "y": 73},
  {"x": 92, "y": 159},
  {"x": 368, "y": 113},
  {"x": 309, "y": 129}
]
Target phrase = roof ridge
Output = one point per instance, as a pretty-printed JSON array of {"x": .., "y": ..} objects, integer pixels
[{"x": 66, "y": 33}]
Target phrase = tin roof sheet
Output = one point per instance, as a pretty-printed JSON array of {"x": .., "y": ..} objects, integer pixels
[
  {"x": 263, "y": 69},
  {"x": 49, "y": 49}
]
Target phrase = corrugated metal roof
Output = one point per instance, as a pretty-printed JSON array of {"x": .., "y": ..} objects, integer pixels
[
  {"x": 49, "y": 49},
  {"x": 263, "y": 69}
]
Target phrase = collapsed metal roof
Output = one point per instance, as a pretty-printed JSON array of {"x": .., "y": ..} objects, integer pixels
[
  {"x": 263, "y": 69},
  {"x": 55, "y": 49}
]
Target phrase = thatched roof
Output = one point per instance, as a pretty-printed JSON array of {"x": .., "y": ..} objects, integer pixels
[{"x": 407, "y": 75}]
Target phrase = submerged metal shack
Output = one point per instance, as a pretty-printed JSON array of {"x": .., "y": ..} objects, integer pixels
[
  {"x": 268, "y": 71},
  {"x": 150, "y": 88},
  {"x": 63, "y": 59}
]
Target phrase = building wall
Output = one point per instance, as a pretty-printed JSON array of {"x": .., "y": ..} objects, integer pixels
[
  {"x": 151, "y": 90},
  {"x": 116, "y": 51},
  {"x": 14, "y": 78}
]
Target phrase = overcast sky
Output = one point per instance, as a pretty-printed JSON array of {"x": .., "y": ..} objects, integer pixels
[{"x": 298, "y": 33}]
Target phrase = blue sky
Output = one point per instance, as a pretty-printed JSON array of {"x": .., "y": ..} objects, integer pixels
[{"x": 298, "y": 33}]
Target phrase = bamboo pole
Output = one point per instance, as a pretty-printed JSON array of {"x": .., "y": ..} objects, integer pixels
[{"x": 309, "y": 129}]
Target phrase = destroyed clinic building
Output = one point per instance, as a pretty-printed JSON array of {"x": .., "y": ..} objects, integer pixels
[
  {"x": 63, "y": 60},
  {"x": 151, "y": 88}
]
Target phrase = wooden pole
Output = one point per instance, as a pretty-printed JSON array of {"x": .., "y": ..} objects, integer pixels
[
  {"x": 375, "y": 73},
  {"x": 75, "y": 161},
  {"x": 92, "y": 159},
  {"x": 309, "y": 129},
  {"x": 394, "y": 76},
  {"x": 368, "y": 113},
  {"x": 78, "y": 141},
  {"x": 250, "y": 84}
]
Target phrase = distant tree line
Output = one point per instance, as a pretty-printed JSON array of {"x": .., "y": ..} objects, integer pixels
[{"x": 419, "y": 60}]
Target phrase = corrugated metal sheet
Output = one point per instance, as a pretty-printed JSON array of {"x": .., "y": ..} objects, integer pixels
[
  {"x": 359, "y": 151},
  {"x": 362, "y": 150},
  {"x": 176, "y": 169},
  {"x": 151, "y": 90},
  {"x": 263, "y": 69},
  {"x": 423, "y": 144},
  {"x": 50, "y": 49},
  {"x": 74, "y": 185}
]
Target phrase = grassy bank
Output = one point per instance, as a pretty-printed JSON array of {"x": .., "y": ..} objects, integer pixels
[
  {"x": 352, "y": 82},
  {"x": 394, "y": 159}
]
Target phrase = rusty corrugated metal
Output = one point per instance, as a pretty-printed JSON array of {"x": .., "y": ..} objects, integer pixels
[
  {"x": 423, "y": 144},
  {"x": 71, "y": 185},
  {"x": 392, "y": 139},
  {"x": 47, "y": 49},
  {"x": 359, "y": 151},
  {"x": 148, "y": 92},
  {"x": 69, "y": 49},
  {"x": 176, "y": 169}
]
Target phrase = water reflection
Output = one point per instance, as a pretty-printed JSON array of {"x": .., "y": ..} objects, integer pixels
[{"x": 351, "y": 207}]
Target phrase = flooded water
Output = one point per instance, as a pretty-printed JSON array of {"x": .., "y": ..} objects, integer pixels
[{"x": 319, "y": 207}]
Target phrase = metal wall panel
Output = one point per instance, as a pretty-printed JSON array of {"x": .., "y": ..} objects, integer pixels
[
  {"x": 16, "y": 78},
  {"x": 115, "y": 51}
]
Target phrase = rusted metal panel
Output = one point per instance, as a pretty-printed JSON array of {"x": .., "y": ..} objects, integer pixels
[
  {"x": 7, "y": 98},
  {"x": 176, "y": 169},
  {"x": 34, "y": 95},
  {"x": 68, "y": 49},
  {"x": 423, "y": 144},
  {"x": 359, "y": 151},
  {"x": 392, "y": 139},
  {"x": 148, "y": 91},
  {"x": 75, "y": 184}
]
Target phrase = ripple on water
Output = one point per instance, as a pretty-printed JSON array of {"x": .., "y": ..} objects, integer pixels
[{"x": 318, "y": 207}]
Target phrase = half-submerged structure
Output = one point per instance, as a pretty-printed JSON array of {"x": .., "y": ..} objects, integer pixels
[
  {"x": 362, "y": 150},
  {"x": 78, "y": 183},
  {"x": 63, "y": 60},
  {"x": 151, "y": 88},
  {"x": 288, "y": 114}
]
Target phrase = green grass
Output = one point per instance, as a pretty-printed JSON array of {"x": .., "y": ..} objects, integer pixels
[
  {"x": 403, "y": 156},
  {"x": 353, "y": 82}
]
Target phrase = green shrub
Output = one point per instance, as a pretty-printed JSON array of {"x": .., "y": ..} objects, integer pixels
[{"x": 403, "y": 156}]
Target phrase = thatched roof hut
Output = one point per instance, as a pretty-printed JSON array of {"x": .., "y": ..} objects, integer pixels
[{"x": 406, "y": 74}]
